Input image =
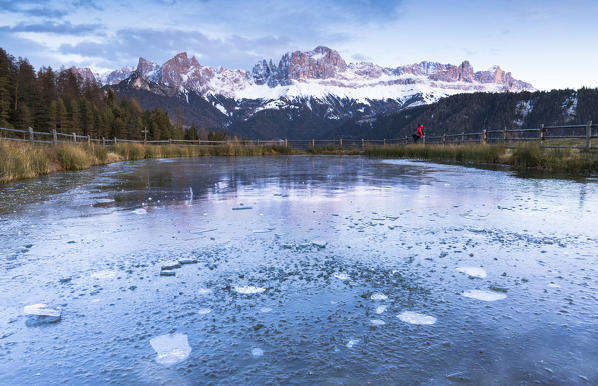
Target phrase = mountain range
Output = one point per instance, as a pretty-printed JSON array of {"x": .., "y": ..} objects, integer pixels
[{"x": 305, "y": 95}]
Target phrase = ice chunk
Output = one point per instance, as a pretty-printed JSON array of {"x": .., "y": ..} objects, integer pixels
[
  {"x": 171, "y": 348},
  {"x": 249, "y": 290},
  {"x": 265, "y": 309},
  {"x": 104, "y": 275},
  {"x": 170, "y": 265},
  {"x": 187, "y": 261},
  {"x": 257, "y": 352},
  {"x": 204, "y": 291},
  {"x": 320, "y": 243},
  {"x": 377, "y": 322},
  {"x": 342, "y": 276},
  {"x": 204, "y": 311},
  {"x": 352, "y": 343},
  {"x": 416, "y": 318},
  {"x": 473, "y": 271},
  {"x": 380, "y": 309},
  {"x": 140, "y": 211},
  {"x": 486, "y": 296},
  {"x": 41, "y": 309},
  {"x": 379, "y": 297},
  {"x": 167, "y": 273}
]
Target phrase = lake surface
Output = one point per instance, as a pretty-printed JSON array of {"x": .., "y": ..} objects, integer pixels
[{"x": 320, "y": 270}]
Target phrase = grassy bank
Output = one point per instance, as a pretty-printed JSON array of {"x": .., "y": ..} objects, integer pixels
[
  {"x": 526, "y": 156},
  {"x": 21, "y": 160}
]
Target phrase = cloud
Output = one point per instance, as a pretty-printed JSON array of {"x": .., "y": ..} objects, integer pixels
[
  {"x": 65, "y": 28},
  {"x": 32, "y": 8}
]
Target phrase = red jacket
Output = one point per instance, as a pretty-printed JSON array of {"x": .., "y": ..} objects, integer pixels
[{"x": 420, "y": 131}]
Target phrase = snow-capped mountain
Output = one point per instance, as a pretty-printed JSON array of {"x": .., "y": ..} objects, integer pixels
[{"x": 305, "y": 82}]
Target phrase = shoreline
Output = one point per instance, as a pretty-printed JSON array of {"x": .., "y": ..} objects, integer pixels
[{"x": 21, "y": 160}]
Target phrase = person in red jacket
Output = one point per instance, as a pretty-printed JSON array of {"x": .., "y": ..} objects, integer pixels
[{"x": 420, "y": 133}]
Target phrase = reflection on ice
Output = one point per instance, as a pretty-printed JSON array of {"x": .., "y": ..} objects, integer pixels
[
  {"x": 416, "y": 318},
  {"x": 473, "y": 271},
  {"x": 171, "y": 348},
  {"x": 486, "y": 296}
]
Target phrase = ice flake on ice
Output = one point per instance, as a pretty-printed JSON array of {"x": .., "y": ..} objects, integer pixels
[
  {"x": 342, "y": 276},
  {"x": 248, "y": 290},
  {"x": 352, "y": 343},
  {"x": 473, "y": 271},
  {"x": 486, "y": 296},
  {"x": 171, "y": 348},
  {"x": 380, "y": 309},
  {"x": 377, "y": 322},
  {"x": 416, "y": 318},
  {"x": 41, "y": 309},
  {"x": 379, "y": 297},
  {"x": 257, "y": 352}
]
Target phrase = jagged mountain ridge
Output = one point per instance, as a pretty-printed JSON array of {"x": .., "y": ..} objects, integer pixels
[{"x": 316, "y": 86}]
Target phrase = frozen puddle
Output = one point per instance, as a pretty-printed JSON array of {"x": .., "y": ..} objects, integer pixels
[
  {"x": 342, "y": 276},
  {"x": 171, "y": 348},
  {"x": 416, "y": 318},
  {"x": 380, "y": 309},
  {"x": 377, "y": 322},
  {"x": 249, "y": 290},
  {"x": 473, "y": 271},
  {"x": 257, "y": 352},
  {"x": 486, "y": 296},
  {"x": 379, "y": 297}
]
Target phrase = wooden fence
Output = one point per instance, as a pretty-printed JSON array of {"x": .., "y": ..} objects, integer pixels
[{"x": 545, "y": 135}]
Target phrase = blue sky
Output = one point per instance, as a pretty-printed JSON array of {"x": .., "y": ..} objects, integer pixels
[{"x": 551, "y": 44}]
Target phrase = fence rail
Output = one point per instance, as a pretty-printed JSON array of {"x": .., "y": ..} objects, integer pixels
[{"x": 541, "y": 134}]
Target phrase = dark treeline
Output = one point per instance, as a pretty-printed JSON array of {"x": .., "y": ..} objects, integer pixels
[{"x": 62, "y": 100}]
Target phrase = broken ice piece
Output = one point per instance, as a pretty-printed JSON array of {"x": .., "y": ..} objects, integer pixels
[
  {"x": 377, "y": 322},
  {"x": 242, "y": 207},
  {"x": 473, "y": 271},
  {"x": 167, "y": 273},
  {"x": 342, "y": 276},
  {"x": 187, "y": 261},
  {"x": 379, "y": 297},
  {"x": 319, "y": 243},
  {"x": 287, "y": 246},
  {"x": 171, "y": 348},
  {"x": 248, "y": 290},
  {"x": 170, "y": 265},
  {"x": 380, "y": 309},
  {"x": 416, "y": 318},
  {"x": 352, "y": 343},
  {"x": 204, "y": 311},
  {"x": 486, "y": 296},
  {"x": 42, "y": 310},
  {"x": 257, "y": 352}
]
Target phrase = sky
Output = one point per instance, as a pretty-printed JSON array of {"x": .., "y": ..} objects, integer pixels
[{"x": 551, "y": 44}]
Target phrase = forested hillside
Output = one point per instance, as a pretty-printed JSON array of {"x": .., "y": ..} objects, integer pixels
[
  {"x": 480, "y": 111},
  {"x": 47, "y": 99}
]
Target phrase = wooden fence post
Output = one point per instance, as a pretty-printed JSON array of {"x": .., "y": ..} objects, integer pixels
[
  {"x": 30, "y": 134},
  {"x": 443, "y": 139},
  {"x": 89, "y": 139},
  {"x": 462, "y": 137},
  {"x": 103, "y": 141},
  {"x": 115, "y": 140},
  {"x": 505, "y": 135},
  {"x": 484, "y": 137},
  {"x": 170, "y": 141},
  {"x": 362, "y": 144},
  {"x": 313, "y": 144},
  {"x": 54, "y": 137},
  {"x": 340, "y": 142},
  {"x": 74, "y": 137},
  {"x": 541, "y": 134},
  {"x": 286, "y": 142},
  {"x": 589, "y": 135}
]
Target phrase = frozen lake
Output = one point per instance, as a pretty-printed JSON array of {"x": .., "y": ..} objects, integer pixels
[{"x": 298, "y": 270}]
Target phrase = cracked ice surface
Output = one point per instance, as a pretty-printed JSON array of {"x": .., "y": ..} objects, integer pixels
[{"x": 395, "y": 232}]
